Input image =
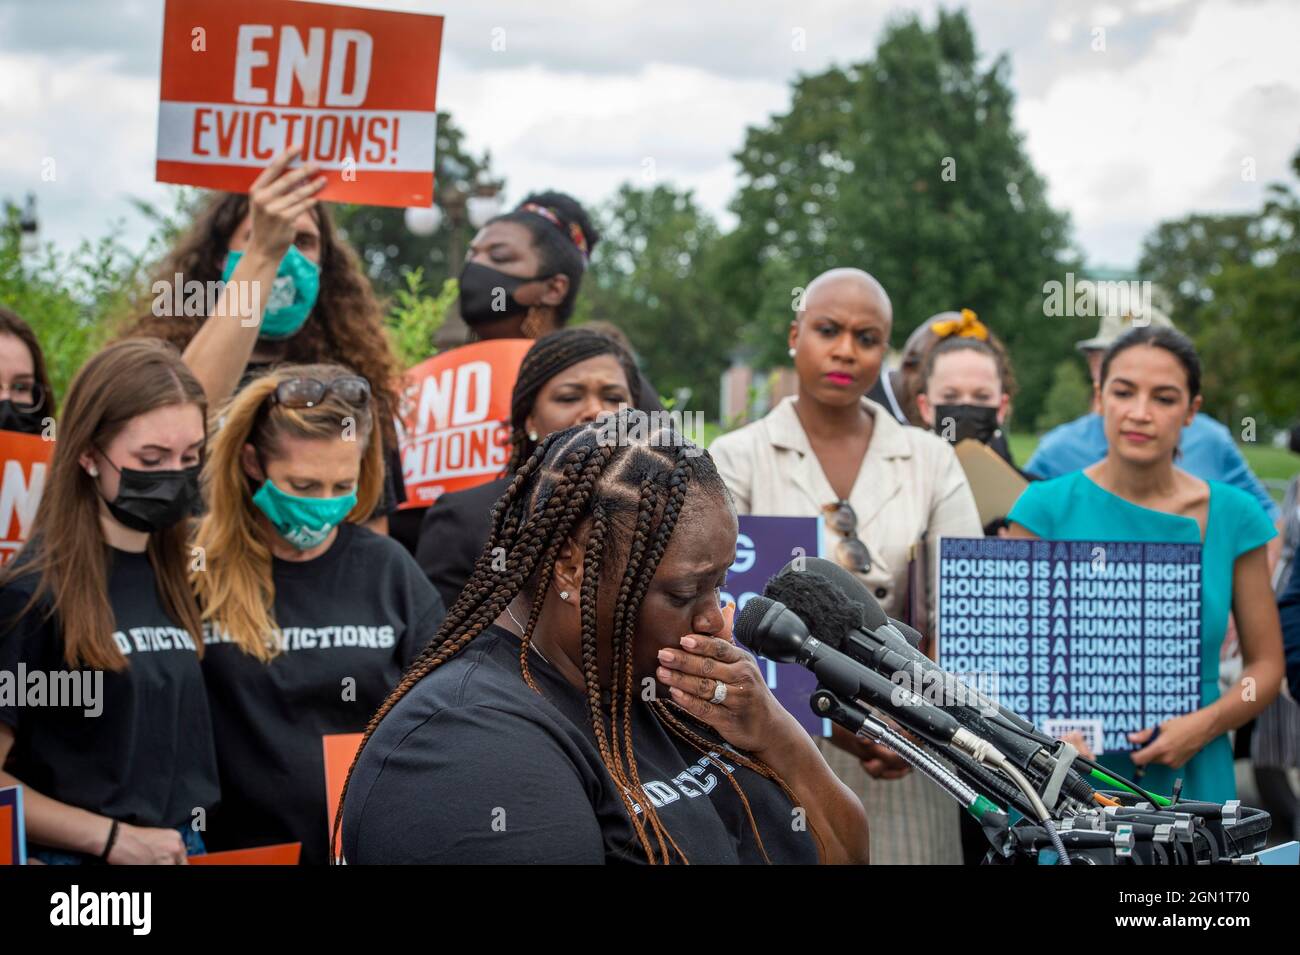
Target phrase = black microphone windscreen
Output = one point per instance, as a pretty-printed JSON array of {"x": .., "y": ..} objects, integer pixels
[
  {"x": 873, "y": 616},
  {"x": 818, "y": 602}
]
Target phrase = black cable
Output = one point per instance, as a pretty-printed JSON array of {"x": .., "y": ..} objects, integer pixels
[
  {"x": 1093, "y": 764},
  {"x": 1045, "y": 740},
  {"x": 983, "y": 780}
]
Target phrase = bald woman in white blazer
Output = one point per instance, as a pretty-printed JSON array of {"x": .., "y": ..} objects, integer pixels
[{"x": 829, "y": 445}]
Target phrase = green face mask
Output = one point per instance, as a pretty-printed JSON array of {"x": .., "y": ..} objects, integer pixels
[
  {"x": 293, "y": 294},
  {"x": 304, "y": 522}
]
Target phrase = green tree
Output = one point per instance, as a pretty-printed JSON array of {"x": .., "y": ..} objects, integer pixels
[
  {"x": 655, "y": 275},
  {"x": 1235, "y": 281},
  {"x": 415, "y": 316},
  {"x": 71, "y": 300},
  {"x": 379, "y": 233},
  {"x": 1250, "y": 339},
  {"x": 1069, "y": 397},
  {"x": 1185, "y": 255},
  {"x": 909, "y": 166}
]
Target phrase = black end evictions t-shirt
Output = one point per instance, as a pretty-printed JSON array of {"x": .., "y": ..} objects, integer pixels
[
  {"x": 473, "y": 766},
  {"x": 350, "y": 622},
  {"x": 147, "y": 758}
]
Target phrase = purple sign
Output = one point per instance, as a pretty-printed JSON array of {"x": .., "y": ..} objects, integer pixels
[
  {"x": 764, "y": 546},
  {"x": 1103, "y": 637}
]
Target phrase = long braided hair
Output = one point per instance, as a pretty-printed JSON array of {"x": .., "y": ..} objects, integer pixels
[
  {"x": 549, "y": 356},
  {"x": 631, "y": 489}
]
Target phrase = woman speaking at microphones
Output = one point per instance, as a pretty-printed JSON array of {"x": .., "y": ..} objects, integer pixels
[{"x": 583, "y": 701}]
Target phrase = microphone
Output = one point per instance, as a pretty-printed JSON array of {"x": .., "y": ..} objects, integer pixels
[
  {"x": 772, "y": 629},
  {"x": 896, "y": 636},
  {"x": 775, "y": 631},
  {"x": 840, "y": 611}
]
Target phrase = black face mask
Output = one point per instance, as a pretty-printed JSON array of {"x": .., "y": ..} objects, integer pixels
[
  {"x": 958, "y": 422},
  {"x": 22, "y": 418},
  {"x": 152, "y": 501},
  {"x": 480, "y": 300}
]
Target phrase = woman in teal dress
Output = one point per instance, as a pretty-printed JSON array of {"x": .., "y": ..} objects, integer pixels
[{"x": 1150, "y": 389}]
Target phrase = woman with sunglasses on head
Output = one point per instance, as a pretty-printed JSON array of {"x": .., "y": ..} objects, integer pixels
[
  {"x": 314, "y": 301},
  {"x": 1148, "y": 390},
  {"x": 310, "y": 618},
  {"x": 124, "y": 773},
  {"x": 568, "y": 377},
  {"x": 882, "y": 488}
]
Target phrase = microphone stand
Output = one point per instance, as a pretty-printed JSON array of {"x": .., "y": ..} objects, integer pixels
[{"x": 851, "y": 716}]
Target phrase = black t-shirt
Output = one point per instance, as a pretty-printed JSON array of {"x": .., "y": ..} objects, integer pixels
[
  {"x": 350, "y": 621},
  {"x": 147, "y": 758},
  {"x": 453, "y": 534},
  {"x": 473, "y": 766}
]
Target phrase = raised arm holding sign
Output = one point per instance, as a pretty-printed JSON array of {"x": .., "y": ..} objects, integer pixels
[
  {"x": 280, "y": 204},
  {"x": 242, "y": 80}
]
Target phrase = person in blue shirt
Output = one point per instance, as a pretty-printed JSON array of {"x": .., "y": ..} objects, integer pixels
[
  {"x": 1207, "y": 450},
  {"x": 1149, "y": 389}
]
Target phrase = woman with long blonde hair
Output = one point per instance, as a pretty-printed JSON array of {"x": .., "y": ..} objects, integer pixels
[
  {"x": 97, "y": 602},
  {"x": 310, "y": 617},
  {"x": 314, "y": 302}
]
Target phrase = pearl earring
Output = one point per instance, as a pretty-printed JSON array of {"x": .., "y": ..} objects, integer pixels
[
  {"x": 564, "y": 595},
  {"x": 791, "y": 352},
  {"x": 94, "y": 471},
  {"x": 532, "y": 435}
]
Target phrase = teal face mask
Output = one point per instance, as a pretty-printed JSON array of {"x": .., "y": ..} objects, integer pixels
[
  {"x": 293, "y": 294},
  {"x": 304, "y": 522}
]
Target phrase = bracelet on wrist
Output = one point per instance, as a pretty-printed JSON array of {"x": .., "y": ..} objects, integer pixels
[{"x": 112, "y": 839}]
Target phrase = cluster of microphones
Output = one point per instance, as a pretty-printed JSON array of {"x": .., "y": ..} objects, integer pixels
[{"x": 1038, "y": 799}]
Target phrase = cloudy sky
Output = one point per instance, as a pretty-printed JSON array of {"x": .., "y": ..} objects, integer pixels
[{"x": 1160, "y": 123}]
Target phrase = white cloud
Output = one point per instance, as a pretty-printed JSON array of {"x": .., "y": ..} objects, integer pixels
[
  {"x": 586, "y": 90},
  {"x": 1135, "y": 140},
  {"x": 586, "y": 137},
  {"x": 90, "y": 126}
]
